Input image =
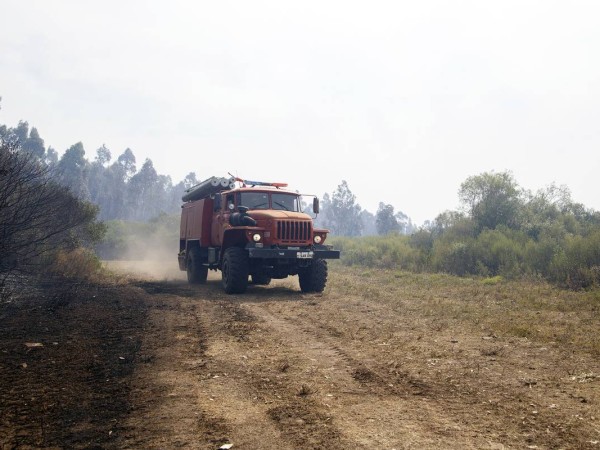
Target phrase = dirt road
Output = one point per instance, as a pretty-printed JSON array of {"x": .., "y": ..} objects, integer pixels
[
  {"x": 278, "y": 369},
  {"x": 356, "y": 367}
]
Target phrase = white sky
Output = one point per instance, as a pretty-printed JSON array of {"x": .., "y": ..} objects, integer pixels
[{"x": 404, "y": 100}]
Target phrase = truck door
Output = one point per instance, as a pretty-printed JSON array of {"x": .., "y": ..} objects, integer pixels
[{"x": 221, "y": 219}]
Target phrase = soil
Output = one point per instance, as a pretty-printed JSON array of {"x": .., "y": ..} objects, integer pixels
[{"x": 150, "y": 363}]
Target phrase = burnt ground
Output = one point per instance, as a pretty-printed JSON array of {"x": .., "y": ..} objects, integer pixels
[
  {"x": 67, "y": 355},
  {"x": 160, "y": 364}
]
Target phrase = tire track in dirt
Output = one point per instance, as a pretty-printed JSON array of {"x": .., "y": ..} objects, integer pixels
[
  {"x": 253, "y": 376},
  {"x": 371, "y": 409},
  {"x": 165, "y": 387}
]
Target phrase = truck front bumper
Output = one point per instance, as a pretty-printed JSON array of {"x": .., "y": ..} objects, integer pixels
[{"x": 299, "y": 254}]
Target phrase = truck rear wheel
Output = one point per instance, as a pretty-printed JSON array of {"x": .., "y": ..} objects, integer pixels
[
  {"x": 314, "y": 277},
  {"x": 196, "y": 271},
  {"x": 235, "y": 270}
]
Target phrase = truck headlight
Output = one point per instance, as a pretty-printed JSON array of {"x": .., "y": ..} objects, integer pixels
[
  {"x": 256, "y": 237},
  {"x": 318, "y": 239}
]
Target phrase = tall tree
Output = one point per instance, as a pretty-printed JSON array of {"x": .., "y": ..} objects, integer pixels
[
  {"x": 385, "y": 219},
  {"x": 22, "y": 131},
  {"x": 100, "y": 184},
  {"x": 126, "y": 162},
  {"x": 34, "y": 144},
  {"x": 118, "y": 175},
  {"x": 144, "y": 192},
  {"x": 369, "y": 223},
  {"x": 73, "y": 171},
  {"x": 178, "y": 190},
  {"x": 51, "y": 157},
  {"x": 404, "y": 222},
  {"x": 103, "y": 155},
  {"x": 342, "y": 213},
  {"x": 492, "y": 199}
]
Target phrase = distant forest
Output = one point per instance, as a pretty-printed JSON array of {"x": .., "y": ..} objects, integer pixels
[
  {"x": 123, "y": 190},
  {"x": 116, "y": 185}
]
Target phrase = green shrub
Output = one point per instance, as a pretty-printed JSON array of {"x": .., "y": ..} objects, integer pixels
[
  {"x": 491, "y": 281},
  {"x": 576, "y": 264},
  {"x": 455, "y": 257},
  {"x": 392, "y": 251},
  {"x": 499, "y": 252}
]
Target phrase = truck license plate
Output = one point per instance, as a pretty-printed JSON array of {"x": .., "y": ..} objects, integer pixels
[{"x": 304, "y": 255}]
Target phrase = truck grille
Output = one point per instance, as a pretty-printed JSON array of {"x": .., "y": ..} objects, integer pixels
[{"x": 294, "y": 231}]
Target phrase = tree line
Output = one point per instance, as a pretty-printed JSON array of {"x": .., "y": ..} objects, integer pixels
[
  {"x": 122, "y": 192},
  {"x": 343, "y": 216}
]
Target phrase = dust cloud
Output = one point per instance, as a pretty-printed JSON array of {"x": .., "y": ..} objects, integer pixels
[{"x": 149, "y": 257}]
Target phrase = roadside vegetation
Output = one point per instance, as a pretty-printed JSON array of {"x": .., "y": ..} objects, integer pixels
[
  {"x": 503, "y": 231},
  {"x": 44, "y": 228}
]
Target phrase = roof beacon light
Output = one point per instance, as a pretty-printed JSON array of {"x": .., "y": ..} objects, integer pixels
[{"x": 259, "y": 183}]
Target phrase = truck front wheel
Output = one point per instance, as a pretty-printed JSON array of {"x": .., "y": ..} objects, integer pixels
[
  {"x": 314, "y": 277},
  {"x": 196, "y": 271},
  {"x": 235, "y": 270}
]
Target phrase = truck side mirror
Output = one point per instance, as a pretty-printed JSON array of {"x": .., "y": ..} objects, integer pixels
[
  {"x": 217, "y": 204},
  {"x": 316, "y": 205}
]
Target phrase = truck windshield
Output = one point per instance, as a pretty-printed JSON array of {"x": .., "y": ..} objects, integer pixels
[
  {"x": 285, "y": 202},
  {"x": 254, "y": 200},
  {"x": 261, "y": 200}
]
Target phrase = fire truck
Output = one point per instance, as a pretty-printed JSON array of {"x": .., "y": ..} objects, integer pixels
[{"x": 252, "y": 232}]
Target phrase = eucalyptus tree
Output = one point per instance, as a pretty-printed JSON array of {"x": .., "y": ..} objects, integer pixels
[{"x": 341, "y": 212}]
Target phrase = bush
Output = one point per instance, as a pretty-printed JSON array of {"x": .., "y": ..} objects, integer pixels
[
  {"x": 455, "y": 257},
  {"x": 37, "y": 216},
  {"x": 576, "y": 264},
  {"x": 390, "y": 251},
  {"x": 78, "y": 264},
  {"x": 499, "y": 252},
  {"x": 538, "y": 255}
]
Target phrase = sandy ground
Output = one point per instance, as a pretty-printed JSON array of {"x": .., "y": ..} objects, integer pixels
[{"x": 277, "y": 369}]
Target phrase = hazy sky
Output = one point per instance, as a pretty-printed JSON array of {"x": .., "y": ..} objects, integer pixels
[{"x": 404, "y": 100}]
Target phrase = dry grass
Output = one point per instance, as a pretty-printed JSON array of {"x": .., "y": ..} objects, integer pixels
[
  {"x": 305, "y": 390},
  {"x": 78, "y": 264},
  {"x": 525, "y": 309}
]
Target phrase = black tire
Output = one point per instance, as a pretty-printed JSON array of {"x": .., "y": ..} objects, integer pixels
[
  {"x": 196, "y": 271},
  {"x": 261, "y": 279},
  {"x": 234, "y": 270},
  {"x": 314, "y": 278}
]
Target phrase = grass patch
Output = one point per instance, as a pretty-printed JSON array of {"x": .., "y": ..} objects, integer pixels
[
  {"x": 492, "y": 280},
  {"x": 530, "y": 309}
]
